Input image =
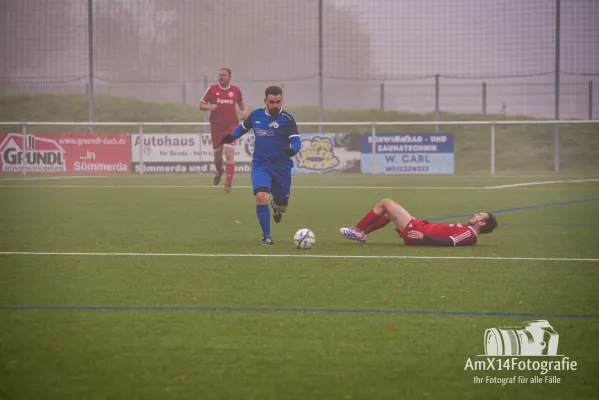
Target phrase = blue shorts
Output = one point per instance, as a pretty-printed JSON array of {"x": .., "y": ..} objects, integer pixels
[{"x": 272, "y": 178}]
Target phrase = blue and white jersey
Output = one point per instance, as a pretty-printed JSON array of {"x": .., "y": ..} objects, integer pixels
[{"x": 273, "y": 135}]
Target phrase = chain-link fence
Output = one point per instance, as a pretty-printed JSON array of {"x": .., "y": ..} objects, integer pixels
[{"x": 463, "y": 56}]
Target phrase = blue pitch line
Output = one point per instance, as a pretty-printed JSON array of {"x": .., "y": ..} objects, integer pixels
[
  {"x": 559, "y": 203},
  {"x": 322, "y": 310}
]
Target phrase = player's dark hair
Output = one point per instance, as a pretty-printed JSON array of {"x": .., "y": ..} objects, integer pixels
[
  {"x": 228, "y": 71},
  {"x": 490, "y": 224},
  {"x": 274, "y": 90}
]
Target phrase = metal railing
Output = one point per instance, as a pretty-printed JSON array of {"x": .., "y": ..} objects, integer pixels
[{"x": 373, "y": 124}]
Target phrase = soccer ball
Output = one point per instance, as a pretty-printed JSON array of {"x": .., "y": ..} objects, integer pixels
[{"x": 304, "y": 239}]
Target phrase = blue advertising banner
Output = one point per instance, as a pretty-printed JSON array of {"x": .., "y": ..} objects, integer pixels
[{"x": 408, "y": 153}]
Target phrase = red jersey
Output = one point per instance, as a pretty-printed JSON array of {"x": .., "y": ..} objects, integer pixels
[
  {"x": 226, "y": 100},
  {"x": 462, "y": 235}
]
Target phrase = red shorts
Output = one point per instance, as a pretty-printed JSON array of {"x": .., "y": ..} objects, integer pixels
[
  {"x": 218, "y": 132},
  {"x": 413, "y": 225}
]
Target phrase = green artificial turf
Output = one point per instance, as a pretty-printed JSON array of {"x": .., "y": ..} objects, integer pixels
[{"x": 180, "y": 314}]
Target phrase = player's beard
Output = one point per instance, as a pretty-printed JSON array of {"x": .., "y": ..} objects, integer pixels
[{"x": 273, "y": 111}]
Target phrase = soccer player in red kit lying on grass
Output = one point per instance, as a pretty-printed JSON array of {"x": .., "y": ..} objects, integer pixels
[{"x": 415, "y": 232}]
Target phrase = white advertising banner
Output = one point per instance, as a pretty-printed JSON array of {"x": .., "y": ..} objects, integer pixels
[
  {"x": 185, "y": 152},
  {"x": 166, "y": 147},
  {"x": 185, "y": 147}
]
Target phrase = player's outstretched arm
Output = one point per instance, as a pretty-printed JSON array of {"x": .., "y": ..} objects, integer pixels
[{"x": 238, "y": 132}]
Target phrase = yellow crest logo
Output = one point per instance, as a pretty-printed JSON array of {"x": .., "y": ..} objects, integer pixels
[{"x": 317, "y": 154}]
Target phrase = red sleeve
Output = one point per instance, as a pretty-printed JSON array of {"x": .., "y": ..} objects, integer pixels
[
  {"x": 207, "y": 98},
  {"x": 465, "y": 238}
]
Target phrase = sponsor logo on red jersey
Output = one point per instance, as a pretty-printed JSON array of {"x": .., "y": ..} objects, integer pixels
[{"x": 225, "y": 113}]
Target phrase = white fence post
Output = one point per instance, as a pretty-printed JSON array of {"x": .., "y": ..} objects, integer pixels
[
  {"x": 24, "y": 160},
  {"x": 140, "y": 133},
  {"x": 373, "y": 148},
  {"x": 437, "y": 101},
  {"x": 492, "y": 148},
  {"x": 556, "y": 148}
]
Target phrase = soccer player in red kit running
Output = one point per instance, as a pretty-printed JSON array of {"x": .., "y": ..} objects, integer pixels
[
  {"x": 415, "y": 232},
  {"x": 220, "y": 99}
]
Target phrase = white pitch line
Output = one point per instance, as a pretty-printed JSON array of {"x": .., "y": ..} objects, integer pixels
[
  {"x": 47, "y": 178},
  {"x": 44, "y": 253},
  {"x": 241, "y": 187},
  {"x": 541, "y": 183}
]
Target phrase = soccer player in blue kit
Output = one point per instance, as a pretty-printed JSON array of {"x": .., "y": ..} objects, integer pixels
[{"x": 277, "y": 141}]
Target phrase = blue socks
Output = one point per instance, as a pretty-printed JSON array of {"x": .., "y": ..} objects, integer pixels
[{"x": 264, "y": 218}]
